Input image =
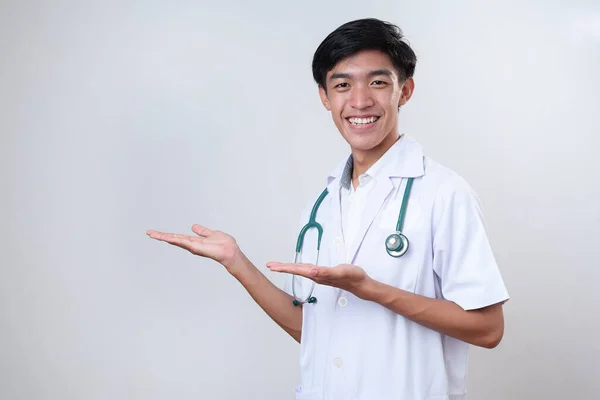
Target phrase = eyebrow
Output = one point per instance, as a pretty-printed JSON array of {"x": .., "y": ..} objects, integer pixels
[{"x": 371, "y": 74}]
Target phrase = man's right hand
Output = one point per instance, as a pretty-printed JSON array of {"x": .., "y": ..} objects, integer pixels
[
  {"x": 216, "y": 245},
  {"x": 223, "y": 248}
]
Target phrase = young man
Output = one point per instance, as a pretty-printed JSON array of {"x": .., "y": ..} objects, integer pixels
[{"x": 406, "y": 279}]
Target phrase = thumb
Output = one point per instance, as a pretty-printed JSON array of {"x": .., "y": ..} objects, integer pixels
[{"x": 201, "y": 230}]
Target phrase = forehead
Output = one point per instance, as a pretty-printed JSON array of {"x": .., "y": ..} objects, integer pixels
[{"x": 363, "y": 62}]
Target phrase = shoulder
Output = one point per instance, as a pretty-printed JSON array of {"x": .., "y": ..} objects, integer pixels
[
  {"x": 435, "y": 178},
  {"x": 455, "y": 205},
  {"x": 444, "y": 182}
]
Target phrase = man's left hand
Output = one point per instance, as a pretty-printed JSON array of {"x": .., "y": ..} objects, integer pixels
[{"x": 345, "y": 276}]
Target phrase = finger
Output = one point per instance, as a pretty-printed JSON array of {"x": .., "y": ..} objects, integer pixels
[
  {"x": 172, "y": 238},
  {"x": 154, "y": 234},
  {"x": 201, "y": 230},
  {"x": 307, "y": 270},
  {"x": 280, "y": 264}
]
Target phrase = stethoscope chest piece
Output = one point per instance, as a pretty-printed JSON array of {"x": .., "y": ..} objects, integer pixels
[{"x": 396, "y": 244}]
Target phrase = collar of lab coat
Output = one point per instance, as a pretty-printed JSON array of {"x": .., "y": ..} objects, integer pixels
[{"x": 405, "y": 161}]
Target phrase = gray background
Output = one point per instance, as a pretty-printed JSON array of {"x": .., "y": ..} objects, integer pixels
[{"x": 119, "y": 116}]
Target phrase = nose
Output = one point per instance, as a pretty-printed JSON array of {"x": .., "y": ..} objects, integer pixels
[{"x": 360, "y": 98}]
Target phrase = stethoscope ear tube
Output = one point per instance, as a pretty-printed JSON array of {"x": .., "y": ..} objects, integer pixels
[{"x": 310, "y": 298}]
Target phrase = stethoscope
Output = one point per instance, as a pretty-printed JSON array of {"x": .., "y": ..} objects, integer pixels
[{"x": 396, "y": 244}]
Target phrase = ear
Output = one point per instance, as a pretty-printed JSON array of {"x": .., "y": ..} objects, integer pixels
[
  {"x": 324, "y": 98},
  {"x": 407, "y": 90}
]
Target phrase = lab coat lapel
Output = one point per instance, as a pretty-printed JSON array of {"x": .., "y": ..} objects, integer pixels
[
  {"x": 375, "y": 201},
  {"x": 335, "y": 223},
  {"x": 406, "y": 161}
]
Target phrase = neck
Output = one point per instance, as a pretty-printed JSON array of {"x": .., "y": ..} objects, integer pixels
[{"x": 363, "y": 160}]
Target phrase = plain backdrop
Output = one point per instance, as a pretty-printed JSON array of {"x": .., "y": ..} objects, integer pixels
[{"x": 120, "y": 116}]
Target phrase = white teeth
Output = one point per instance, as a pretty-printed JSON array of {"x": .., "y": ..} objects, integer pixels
[{"x": 362, "y": 121}]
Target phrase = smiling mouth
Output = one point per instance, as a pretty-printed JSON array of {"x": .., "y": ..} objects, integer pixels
[{"x": 362, "y": 121}]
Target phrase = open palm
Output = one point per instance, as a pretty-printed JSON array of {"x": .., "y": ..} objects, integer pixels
[{"x": 216, "y": 245}]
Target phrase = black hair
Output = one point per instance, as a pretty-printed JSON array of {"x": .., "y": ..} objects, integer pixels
[{"x": 363, "y": 34}]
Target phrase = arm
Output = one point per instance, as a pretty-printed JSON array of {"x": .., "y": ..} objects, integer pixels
[
  {"x": 223, "y": 248},
  {"x": 482, "y": 327},
  {"x": 274, "y": 301}
]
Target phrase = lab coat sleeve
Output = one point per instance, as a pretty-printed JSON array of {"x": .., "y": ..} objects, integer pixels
[{"x": 462, "y": 256}]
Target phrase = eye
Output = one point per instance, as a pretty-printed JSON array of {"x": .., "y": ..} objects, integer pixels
[
  {"x": 379, "y": 83},
  {"x": 342, "y": 85}
]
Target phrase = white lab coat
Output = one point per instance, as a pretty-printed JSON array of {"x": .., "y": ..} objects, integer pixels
[{"x": 353, "y": 349}]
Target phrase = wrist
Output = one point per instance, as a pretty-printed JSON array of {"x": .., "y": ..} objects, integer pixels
[
  {"x": 238, "y": 266},
  {"x": 368, "y": 289}
]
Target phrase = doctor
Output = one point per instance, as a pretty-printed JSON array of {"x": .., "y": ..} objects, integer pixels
[{"x": 373, "y": 325}]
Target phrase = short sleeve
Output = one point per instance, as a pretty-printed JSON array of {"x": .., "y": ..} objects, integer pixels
[{"x": 462, "y": 255}]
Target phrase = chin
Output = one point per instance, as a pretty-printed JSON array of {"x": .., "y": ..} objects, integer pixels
[
  {"x": 364, "y": 137},
  {"x": 364, "y": 143}
]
